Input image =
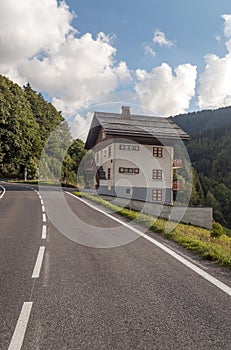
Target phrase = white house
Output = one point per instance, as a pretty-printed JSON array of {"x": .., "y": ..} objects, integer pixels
[{"x": 134, "y": 155}]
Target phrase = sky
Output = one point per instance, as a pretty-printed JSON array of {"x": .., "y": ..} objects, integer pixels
[{"x": 168, "y": 56}]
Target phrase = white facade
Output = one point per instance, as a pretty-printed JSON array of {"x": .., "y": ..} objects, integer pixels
[{"x": 135, "y": 170}]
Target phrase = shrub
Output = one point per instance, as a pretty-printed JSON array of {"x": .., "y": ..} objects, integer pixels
[{"x": 217, "y": 230}]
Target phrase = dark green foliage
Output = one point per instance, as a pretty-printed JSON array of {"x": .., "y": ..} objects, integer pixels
[
  {"x": 210, "y": 154},
  {"x": 19, "y": 139},
  {"x": 72, "y": 161},
  {"x": 197, "y": 123},
  {"x": 217, "y": 230},
  {"x": 34, "y": 135}
]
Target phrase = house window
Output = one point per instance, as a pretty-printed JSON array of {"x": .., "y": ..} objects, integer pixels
[
  {"x": 109, "y": 152},
  {"x": 97, "y": 157},
  {"x": 157, "y": 195},
  {"x": 105, "y": 153},
  {"x": 109, "y": 173},
  {"x": 157, "y": 174},
  {"x": 128, "y": 190},
  {"x": 129, "y": 147},
  {"x": 158, "y": 152},
  {"x": 129, "y": 170}
]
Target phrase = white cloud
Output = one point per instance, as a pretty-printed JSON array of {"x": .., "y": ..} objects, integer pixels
[
  {"x": 164, "y": 92},
  {"x": 27, "y": 27},
  {"x": 149, "y": 50},
  {"x": 215, "y": 88},
  {"x": 160, "y": 38},
  {"x": 80, "y": 125},
  {"x": 74, "y": 71},
  {"x": 80, "y": 73}
]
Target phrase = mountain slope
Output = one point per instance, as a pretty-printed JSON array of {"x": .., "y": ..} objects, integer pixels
[
  {"x": 210, "y": 153},
  {"x": 197, "y": 123}
]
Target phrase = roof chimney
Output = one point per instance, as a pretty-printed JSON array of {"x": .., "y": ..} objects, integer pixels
[{"x": 125, "y": 112}]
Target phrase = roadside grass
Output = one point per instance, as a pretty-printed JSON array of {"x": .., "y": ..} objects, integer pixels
[
  {"x": 195, "y": 239},
  {"x": 227, "y": 231}
]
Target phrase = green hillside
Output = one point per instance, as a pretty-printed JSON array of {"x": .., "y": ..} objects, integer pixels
[
  {"x": 210, "y": 153},
  {"x": 197, "y": 123}
]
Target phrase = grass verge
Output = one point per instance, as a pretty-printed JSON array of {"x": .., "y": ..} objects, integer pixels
[{"x": 195, "y": 239}]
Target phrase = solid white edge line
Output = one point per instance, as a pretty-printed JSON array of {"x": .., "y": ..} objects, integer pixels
[
  {"x": 38, "y": 264},
  {"x": 3, "y": 191},
  {"x": 44, "y": 232},
  {"x": 21, "y": 326},
  {"x": 44, "y": 217},
  {"x": 169, "y": 251}
]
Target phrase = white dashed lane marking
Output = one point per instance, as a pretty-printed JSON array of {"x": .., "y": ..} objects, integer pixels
[
  {"x": 20, "y": 329},
  {"x": 38, "y": 264}
]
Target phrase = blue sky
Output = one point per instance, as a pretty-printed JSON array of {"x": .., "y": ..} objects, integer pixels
[
  {"x": 170, "y": 56},
  {"x": 192, "y": 24}
]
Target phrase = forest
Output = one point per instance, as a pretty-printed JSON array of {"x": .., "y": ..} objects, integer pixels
[
  {"x": 210, "y": 153},
  {"x": 33, "y": 136}
]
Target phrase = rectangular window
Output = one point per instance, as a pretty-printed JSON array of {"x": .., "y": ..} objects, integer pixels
[
  {"x": 109, "y": 173},
  {"x": 109, "y": 152},
  {"x": 157, "y": 174},
  {"x": 158, "y": 152},
  {"x": 97, "y": 157},
  {"x": 157, "y": 195},
  {"x": 129, "y": 170},
  {"x": 129, "y": 147}
]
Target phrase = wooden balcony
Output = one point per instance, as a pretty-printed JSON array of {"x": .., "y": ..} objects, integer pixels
[
  {"x": 177, "y": 185},
  {"x": 177, "y": 164}
]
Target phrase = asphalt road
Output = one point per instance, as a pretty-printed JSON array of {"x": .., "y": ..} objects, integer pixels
[{"x": 70, "y": 294}]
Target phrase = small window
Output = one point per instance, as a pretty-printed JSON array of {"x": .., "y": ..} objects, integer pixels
[
  {"x": 109, "y": 173},
  {"x": 157, "y": 195},
  {"x": 105, "y": 153},
  {"x": 129, "y": 147},
  {"x": 109, "y": 152},
  {"x": 157, "y": 174},
  {"x": 97, "y": 157},
  {"x": 129, "y": 170},
  {"x": 128, "y": 190},
  {"x": 158, "y": 152}
]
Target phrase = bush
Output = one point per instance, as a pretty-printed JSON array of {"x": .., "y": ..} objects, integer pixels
[{"x": 217, "y": 230}]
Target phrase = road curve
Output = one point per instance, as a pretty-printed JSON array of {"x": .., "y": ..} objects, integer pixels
[{"x": 134, "y": 296}]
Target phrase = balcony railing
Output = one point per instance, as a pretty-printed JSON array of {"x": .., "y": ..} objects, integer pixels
[
  {"x": 177, "y": 163},
  {"x": 177, "y": 185}
]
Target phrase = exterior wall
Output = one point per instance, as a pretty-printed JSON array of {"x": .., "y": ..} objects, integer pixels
[
  {"x": 141, "y": 185},
  {"x": 146, "y": 162},
  {"x": 198, "y": 216},
  {"x": 136, "y": 193}
]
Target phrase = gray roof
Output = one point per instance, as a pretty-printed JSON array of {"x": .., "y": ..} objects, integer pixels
[{"x": 136, "y": 125}]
